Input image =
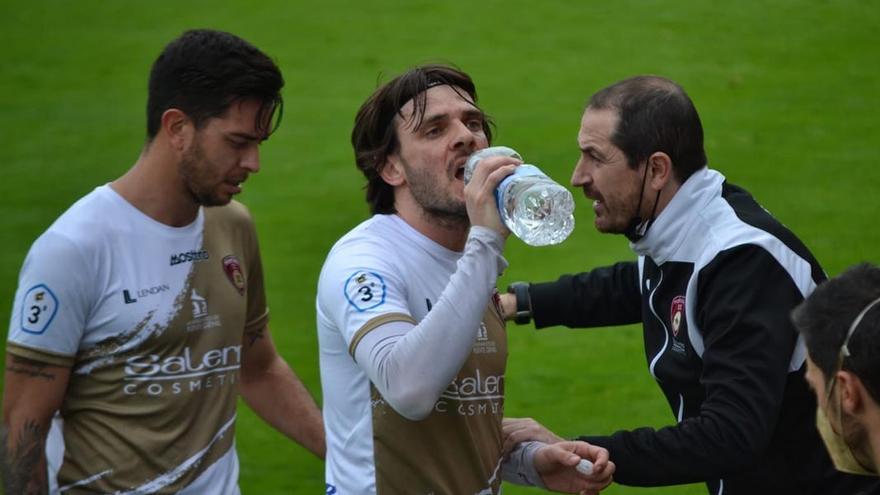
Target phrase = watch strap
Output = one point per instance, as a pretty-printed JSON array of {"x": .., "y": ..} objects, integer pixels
[{"x": 523, "y": 302}]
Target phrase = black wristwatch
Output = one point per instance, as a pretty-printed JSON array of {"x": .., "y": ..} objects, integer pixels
[{"x": 523, "y": 302}]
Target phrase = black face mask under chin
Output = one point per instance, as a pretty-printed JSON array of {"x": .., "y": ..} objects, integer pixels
[{"x": 637, "y": 228}]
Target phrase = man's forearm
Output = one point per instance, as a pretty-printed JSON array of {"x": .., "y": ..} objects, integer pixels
[
  {"x": 278, "y": 396},
  {"x": 606, "y": 296},
  {"x": 23, "y": 458},
  {"x": 33, "y": 392}
]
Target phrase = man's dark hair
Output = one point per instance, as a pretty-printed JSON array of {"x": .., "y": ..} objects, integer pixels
[
  {"x": 827, "y": 314},
  {"x": 374, "y": 136},
  {"x": 204, "y": 71},
  {"x": 655, "y": 114}
]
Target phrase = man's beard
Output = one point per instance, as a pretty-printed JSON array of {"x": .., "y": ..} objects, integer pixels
[
  {"x": 436, "y": 205},
  {"x": 193, "y": 167},
  {"x": 615, "y": 221}
]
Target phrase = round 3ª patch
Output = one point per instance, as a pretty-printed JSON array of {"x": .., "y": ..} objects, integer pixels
[
  {"x": 365, "y": 290},
  {"x": 38, "y": 309}
]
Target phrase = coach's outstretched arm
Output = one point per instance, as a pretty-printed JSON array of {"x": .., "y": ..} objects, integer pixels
[
  {"x": 33, "y": 391},
  {"x": 749, "y": 346},
  {"x": 605, "y": 296},
  {"x": 277, "y": 395}
]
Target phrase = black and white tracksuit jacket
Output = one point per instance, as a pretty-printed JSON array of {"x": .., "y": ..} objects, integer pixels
[{"x": 715, "y": 281}]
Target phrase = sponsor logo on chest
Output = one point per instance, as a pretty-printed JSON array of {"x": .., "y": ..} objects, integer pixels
[
  {"x": 189, "y": 257},
  {"x": 130, "y": 298},
  {"x": 473, "y": 395},
  {"x": 155, "y": 375}
]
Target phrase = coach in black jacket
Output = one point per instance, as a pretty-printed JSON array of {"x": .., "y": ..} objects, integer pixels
[{"x": 715, "y": 281}]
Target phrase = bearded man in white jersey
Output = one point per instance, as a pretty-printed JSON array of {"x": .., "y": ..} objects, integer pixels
[
  {"x": 140, "y": 313},
  {"x": 413, "y": 348}
]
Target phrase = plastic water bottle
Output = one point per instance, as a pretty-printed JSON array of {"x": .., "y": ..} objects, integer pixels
[{"x": 534, "y": 207}]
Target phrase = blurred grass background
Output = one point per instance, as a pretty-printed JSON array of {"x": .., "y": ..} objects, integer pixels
[{"x": 787, "y": 90}]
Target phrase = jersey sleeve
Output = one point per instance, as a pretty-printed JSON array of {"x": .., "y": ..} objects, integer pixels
[
  {"x": 359, "y": 290},
  {"x": 257, "y": 313},
  {"x": 51, "y": 303}
]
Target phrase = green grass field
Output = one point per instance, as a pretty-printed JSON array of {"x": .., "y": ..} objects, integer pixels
[{"x": 787, "y": 90}]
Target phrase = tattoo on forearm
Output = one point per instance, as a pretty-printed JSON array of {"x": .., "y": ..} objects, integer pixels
[
  {"x": 23, "y": 469},
  {"x": 33, "y": 369},
  {"x": 254, "y": 335}
]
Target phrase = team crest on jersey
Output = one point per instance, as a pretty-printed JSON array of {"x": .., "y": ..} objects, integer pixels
[
  {"x": 38, "y": 309},
  {"x": 365, "y": 290},
  {"x": 676, "y": 314},
  {"x": 232, "y": 267}
]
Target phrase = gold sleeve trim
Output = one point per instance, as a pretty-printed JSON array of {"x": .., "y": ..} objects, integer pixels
[
  {"x": 375, "y": 322},
  {"x": 43, "y": 356},
  {"x": 261, "y": 322}
]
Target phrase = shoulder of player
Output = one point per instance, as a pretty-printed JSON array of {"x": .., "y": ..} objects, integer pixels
[
  {"x": 65, "y": 245},
  {"x": 233, "y": 214},
  {"x": 367, "y": 238},
  {"x": 361, "y": 252},
  {"x": 82, "y": 222},
  {"x": 363, "y": 248}
]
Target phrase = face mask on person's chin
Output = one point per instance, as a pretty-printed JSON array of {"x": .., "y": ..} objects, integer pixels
[{"x": 841, "y": 454}]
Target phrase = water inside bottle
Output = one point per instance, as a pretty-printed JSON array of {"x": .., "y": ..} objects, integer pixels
[
  {"x": 539, "y": 212},
  {"x": 536, "y": 209}
]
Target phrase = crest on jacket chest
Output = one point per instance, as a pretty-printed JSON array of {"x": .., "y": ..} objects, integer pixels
[{"x": 676, "y": 314}]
